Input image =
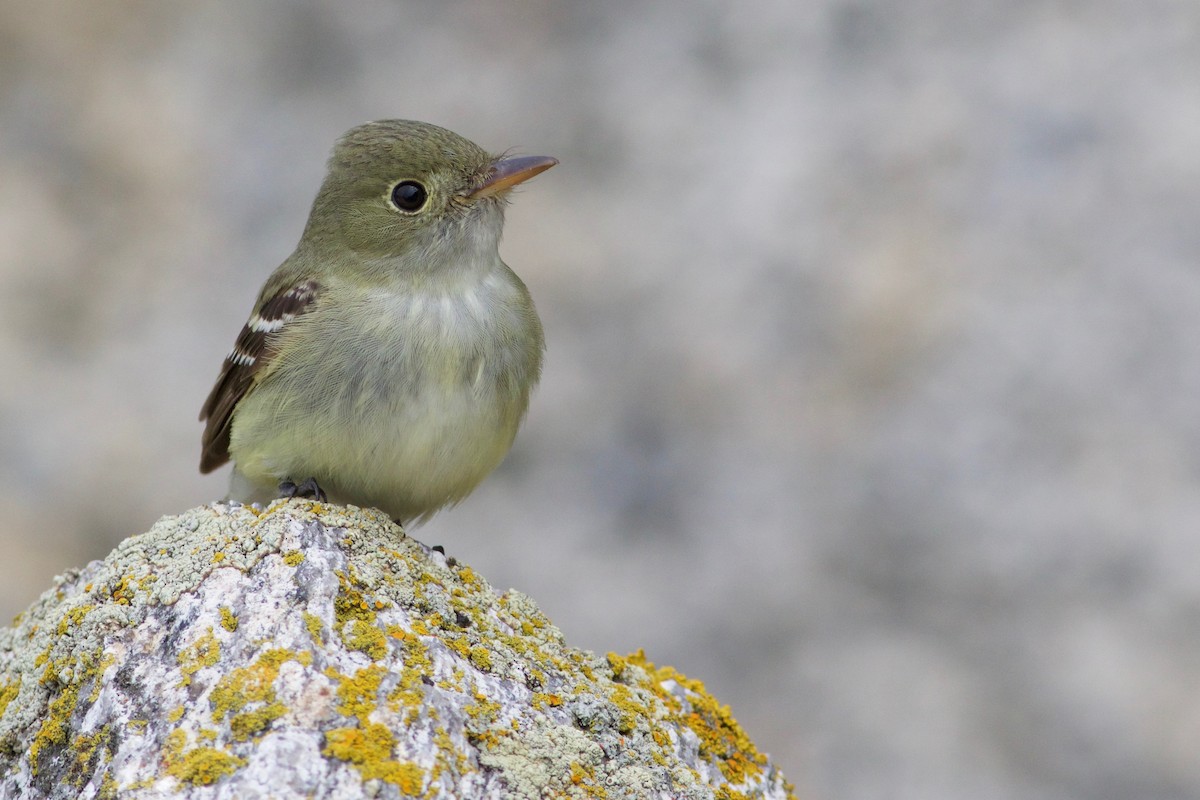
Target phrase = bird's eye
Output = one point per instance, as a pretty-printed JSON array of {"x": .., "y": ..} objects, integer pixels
[{"x": 409, "y": 196}]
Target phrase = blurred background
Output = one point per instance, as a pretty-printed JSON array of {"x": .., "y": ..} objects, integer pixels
[{"x": 874, "y": 340}]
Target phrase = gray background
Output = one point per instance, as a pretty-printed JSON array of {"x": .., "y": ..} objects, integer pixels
[{"x": 874, "y": 340}]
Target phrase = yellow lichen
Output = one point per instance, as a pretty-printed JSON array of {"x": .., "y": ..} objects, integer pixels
[
  {"x": 366, "y": 638},
  {"x": 351, "y": 609},
  {"x": 358, "y": 695},
  {"x": 85, "y": 747},
  {"x": 410, "y": 689},
  {"x": 8, "y": 693},
  {"x": 584, "y": 777},
  {"x": 314, "y": 625},
  {"x": 204, "y": 652},
  {"x": 121, "y": 591},
  {"x": 251, "y": 723},
  {"x": 251, "y": 685},
  {"x": 229, "y": 620},
  {"x": 542, "y": 700},
  {"x": 350, "y": 603},
  {"x": 483, "y": 712},
  {"x": 724, "y": 792},
  {"x": 630, "y": 709},
  {"x": 721, "y": 737},
  {"x": 618, "y": 664},
  {"x": 369, "y": 750},
  {"x": 73, "y": 618},
  {"x": 585, "y": 667},
  {"x": 106, "y": 661},
  {"x": 293, "y": 558},
  {"x": 57, "y": 723},
  {"x": 198, "y": 766},
  {"x": 481, "y": 657}
]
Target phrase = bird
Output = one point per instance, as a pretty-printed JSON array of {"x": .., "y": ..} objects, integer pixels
[{"x": 389, "y": 360}]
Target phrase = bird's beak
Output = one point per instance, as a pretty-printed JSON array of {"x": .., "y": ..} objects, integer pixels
[{"x": 508, "y": 172}]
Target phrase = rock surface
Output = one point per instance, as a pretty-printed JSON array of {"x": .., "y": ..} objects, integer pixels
[{"x": 316, "y": 651}]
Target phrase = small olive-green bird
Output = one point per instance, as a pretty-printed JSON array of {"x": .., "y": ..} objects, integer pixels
[{"x": 389, "y": 360}]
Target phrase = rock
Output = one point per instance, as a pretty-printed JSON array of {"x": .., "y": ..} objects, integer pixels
[{"x": 316, "y": 651}]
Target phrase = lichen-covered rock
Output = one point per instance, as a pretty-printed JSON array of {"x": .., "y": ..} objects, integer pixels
[{"x": 315, "y": 651}]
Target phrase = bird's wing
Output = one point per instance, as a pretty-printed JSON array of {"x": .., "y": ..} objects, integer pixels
[{"x": 256, "y": 345}]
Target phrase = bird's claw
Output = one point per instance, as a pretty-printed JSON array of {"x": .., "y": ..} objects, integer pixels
[{"x": 306, "y": 488}]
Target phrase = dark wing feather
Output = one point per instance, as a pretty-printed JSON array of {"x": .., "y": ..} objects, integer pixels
[{"x": 253, "y": 349}]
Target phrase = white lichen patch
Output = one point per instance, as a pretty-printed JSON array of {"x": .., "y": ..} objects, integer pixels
[{"x": 315, "y": 651}]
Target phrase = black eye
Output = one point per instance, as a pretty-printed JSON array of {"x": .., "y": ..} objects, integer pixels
[{"x": 409, "y": 195}]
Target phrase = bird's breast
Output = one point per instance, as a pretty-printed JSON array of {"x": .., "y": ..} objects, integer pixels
[
  {"x": 403, "y": 400},
  {"x": 474, "y": 338}
]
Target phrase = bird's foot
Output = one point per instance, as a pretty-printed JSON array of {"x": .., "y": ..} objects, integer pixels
[{"x": 306, "y": 488}]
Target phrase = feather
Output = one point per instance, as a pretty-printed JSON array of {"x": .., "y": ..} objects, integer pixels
[{"x": 255, "y": 346}]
